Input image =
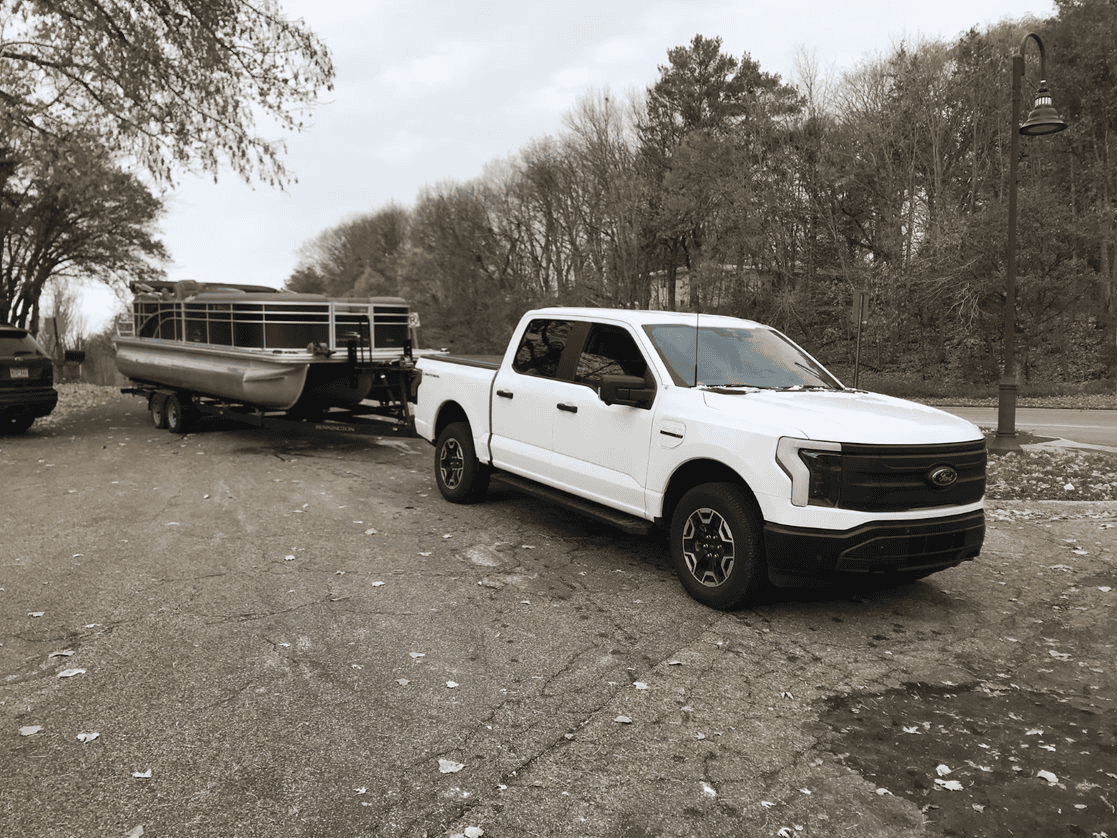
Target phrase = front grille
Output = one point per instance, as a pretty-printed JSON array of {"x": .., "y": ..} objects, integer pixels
[{"x": 882, "y": 478}]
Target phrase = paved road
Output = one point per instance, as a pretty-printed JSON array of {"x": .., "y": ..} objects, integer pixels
[
  {"x": 298, "y": 638},
  {"x": 1090, "y": 427}
]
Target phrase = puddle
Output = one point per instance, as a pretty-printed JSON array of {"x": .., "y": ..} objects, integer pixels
[{"x": 985, "y": 760}]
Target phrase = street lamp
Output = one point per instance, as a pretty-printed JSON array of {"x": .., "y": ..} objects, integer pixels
[{"x": 1043, "y": 119}]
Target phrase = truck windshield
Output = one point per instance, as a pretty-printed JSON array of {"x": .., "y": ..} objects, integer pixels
[{"x": 737, "y": 357}]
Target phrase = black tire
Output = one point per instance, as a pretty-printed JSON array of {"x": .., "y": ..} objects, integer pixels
[
  {"x": 157, "y": 404},
  {"x": 18, "y": 425},
  {"x": 716, "y": 545},
  {"x": 460, "y": 476},
  {"x": 178, "y": 413}
]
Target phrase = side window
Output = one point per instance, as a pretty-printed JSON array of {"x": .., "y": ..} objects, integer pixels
[
  {"x": 541, "y": 347},
  {"x": 609, "y": 350}
]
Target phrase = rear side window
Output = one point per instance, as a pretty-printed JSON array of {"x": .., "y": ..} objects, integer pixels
[{"x": 541, "y": 347}]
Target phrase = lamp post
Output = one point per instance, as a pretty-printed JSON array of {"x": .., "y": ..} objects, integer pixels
[{"x": 1043, "y": 119}]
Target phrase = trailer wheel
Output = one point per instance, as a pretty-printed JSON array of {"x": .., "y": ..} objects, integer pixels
[
  {"x": 177, "y": 413},
  {"x": 157, "y": 404},
  {"x": 716, "y": 545},
  {"x": 460, "y": 476}
]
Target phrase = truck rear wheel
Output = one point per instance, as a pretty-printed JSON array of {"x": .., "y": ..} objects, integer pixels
[
  {"x": 460, "y": 476},
  {"x": 716, "y": 545}
]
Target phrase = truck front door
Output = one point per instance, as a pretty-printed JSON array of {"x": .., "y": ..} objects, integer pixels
[{"x": 601, "y": 450}]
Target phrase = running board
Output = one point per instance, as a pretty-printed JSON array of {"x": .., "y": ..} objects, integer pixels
[{"x": 628, "y": 524}]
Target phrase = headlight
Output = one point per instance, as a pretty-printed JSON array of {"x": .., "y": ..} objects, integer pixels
[{"x": 815, "y": 469}]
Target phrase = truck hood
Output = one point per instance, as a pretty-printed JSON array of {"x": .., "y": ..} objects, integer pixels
[{"x": 843, "y": 416}]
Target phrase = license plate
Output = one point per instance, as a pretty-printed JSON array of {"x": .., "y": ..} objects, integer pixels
[{"x": 20, "y": 372}]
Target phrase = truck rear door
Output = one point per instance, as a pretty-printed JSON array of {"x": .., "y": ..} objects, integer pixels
[{"x": 524, "y": 402}]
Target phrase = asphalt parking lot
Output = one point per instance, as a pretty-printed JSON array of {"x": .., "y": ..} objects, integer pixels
[{"x": 233, "y": 633}]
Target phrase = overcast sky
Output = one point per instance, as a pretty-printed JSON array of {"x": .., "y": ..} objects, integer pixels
[{"x": 432, "y": 91}]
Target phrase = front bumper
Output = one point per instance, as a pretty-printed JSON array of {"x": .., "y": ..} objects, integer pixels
[{"x": 800, "y": 556}]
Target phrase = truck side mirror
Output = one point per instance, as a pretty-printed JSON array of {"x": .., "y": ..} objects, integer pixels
[{"x": 628, "y": 390}]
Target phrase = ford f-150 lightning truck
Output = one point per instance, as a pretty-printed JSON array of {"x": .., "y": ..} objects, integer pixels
[{"x": 762, "y": 467}]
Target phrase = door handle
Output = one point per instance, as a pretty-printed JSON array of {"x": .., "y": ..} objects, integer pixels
[
  {"x": 569, "y": 408},
  {"x": 504, "y": 394}
]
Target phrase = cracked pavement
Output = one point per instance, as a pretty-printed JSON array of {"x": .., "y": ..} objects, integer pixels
[{"x": 291, "y": 633}]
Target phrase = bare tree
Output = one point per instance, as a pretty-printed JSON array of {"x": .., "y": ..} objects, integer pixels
[{"x": 179, "y": 83}]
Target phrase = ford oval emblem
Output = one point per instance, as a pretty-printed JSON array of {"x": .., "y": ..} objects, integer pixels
[{"x": 942, "y": 477}]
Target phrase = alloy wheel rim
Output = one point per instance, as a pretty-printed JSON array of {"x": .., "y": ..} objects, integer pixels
[
  {"x": 708, "y": 547},
  {"x": 451, "y": 463}
]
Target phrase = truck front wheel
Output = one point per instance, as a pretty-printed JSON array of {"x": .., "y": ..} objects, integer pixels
[
  {"x": 460, "y": 476},
  {"x": 716, "y": 545}
]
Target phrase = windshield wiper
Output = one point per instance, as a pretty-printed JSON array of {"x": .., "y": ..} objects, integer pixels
[{"x": 748, "y": 388}]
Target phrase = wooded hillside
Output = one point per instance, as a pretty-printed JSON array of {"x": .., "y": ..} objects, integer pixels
[{"x": 723, "y": 188}]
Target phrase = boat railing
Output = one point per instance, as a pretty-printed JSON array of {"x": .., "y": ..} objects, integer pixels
[{"x": 357, "y": 331}]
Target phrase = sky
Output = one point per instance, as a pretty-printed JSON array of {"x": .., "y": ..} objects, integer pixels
[{"x": 428, "y": 92}]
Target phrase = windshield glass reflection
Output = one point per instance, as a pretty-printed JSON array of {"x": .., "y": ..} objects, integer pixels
[{"x": 730, "y": 357}]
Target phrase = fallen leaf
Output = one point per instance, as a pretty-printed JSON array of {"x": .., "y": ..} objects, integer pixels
[
  {"x": 36, "y": 613},
  {"x": 417, "y": 655},
  {"x": 135, "y": 833},
  {"x": 403, "y": 682},
  {"x": 949, "y": 785},
  {"x": 65, "y": 653},
  {"x": 942, "y": 770},
  {"x": 451, "y": 684},
  {"x": 70, "y": 673},
  {"x": 378, "y": 584},
  {"x": 448, "y": 766},
  {"x": 142, "y": 775},
  {"x": 473, "y": 832},
  {"x": 1047, "y": 775},
  {"x": 371, "y": 531},
  {"x": 361, "y": 790},
  {"x": 30, "y": 730},
  {"x": 624, "y": 720},
  {"x": 87, "y": 737},
  {"x": 640, "y": 685}
]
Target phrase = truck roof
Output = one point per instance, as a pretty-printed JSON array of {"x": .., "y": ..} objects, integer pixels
[{"x": 644, "y": 317}]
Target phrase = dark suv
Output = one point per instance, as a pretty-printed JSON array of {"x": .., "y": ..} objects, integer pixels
[{"x": 26, "y": 380}]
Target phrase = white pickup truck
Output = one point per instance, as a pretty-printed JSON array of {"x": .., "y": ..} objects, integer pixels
[{"x": 759, "y": 463}]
